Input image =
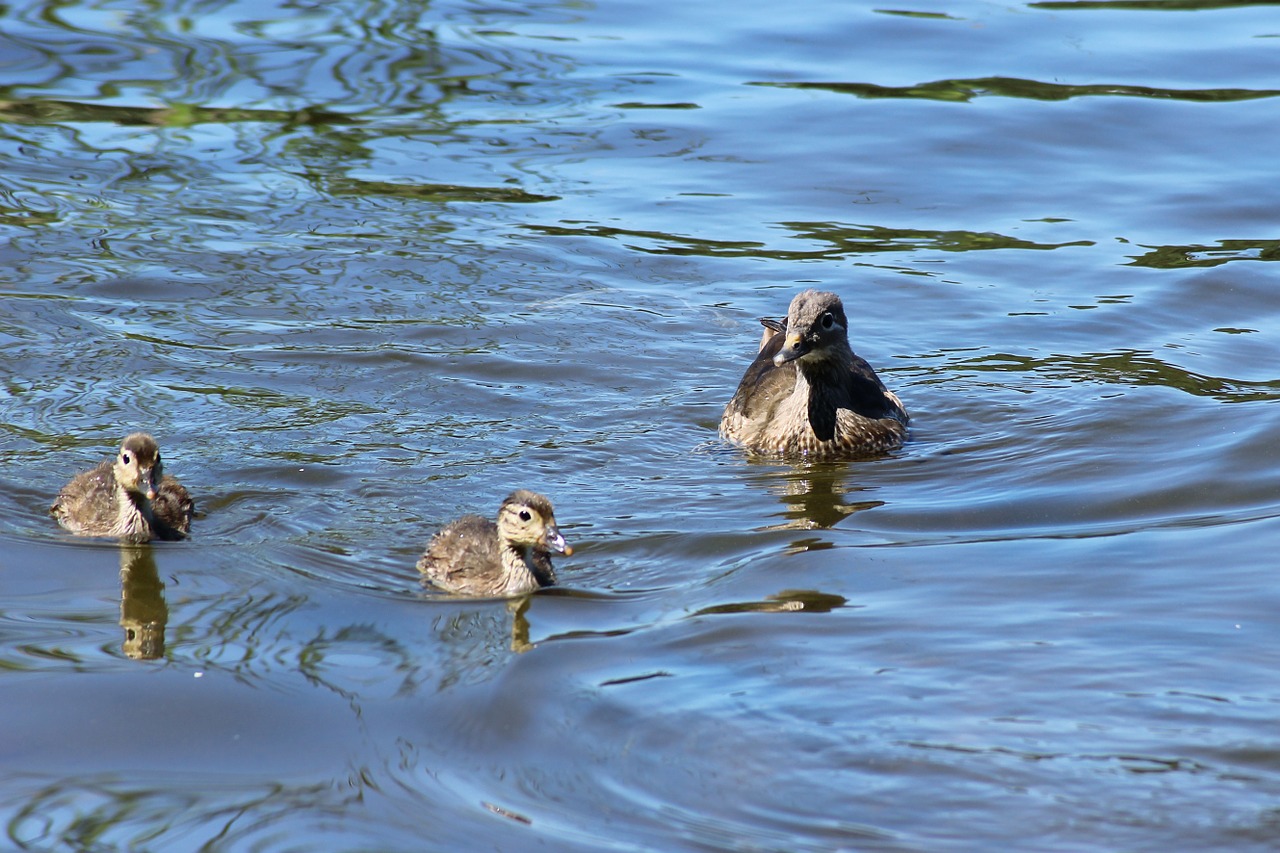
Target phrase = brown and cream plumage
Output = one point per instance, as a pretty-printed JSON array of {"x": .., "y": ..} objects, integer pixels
[
  {"x": 475, "y": 556},
  {"x": 808, "y": 395},
  {"x": 129, "y": 498}
]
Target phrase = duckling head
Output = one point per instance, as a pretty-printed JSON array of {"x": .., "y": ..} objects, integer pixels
[
  {"x": 527, "y": 520},
  {"x": 816, "y": 328},
  {"x": 138, "y": 466}
]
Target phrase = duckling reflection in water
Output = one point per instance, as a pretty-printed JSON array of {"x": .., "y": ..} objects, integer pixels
[
  {"x": 129, "y": 498},
  {"x": 474, "y": 556},
  {"x": 143, "y": 611},
  {"x": 807, "y": 394}
]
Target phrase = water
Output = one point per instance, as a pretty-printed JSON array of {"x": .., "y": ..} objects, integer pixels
[{"x": 362, "y": 267}]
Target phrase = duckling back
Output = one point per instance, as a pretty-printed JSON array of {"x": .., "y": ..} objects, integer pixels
[
  {"x": 89, "y": 505},
  {"x": 465, "y": 558}
]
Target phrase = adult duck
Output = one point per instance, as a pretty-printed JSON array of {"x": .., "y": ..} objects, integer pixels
[{"x": 807, "y": 394}]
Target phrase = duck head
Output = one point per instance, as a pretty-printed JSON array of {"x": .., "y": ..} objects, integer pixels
[{"x": 816, "y": 328}]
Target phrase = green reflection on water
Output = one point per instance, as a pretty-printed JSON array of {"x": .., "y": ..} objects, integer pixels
[
  {"x": 844, "y": 239},
  {"x": 1125, "y": 367},
  {"x": 909, "y": 14},
  {"x": 1014, "y": 87},
  {"x": 52, "y": 111},
  {"x": 1150, "y": 5},
  {"x": 1180, "y": 257},
  {"x": 340, "y": 186}
]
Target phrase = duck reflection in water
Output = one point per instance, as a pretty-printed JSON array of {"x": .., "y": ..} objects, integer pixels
[
  {"x": 143, "y": 611},
  {"x": 814, "y": 496},
  {"x": 807, "y": 395}
]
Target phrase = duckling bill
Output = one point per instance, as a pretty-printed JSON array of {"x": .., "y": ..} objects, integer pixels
[
  {"x": 807, "y": 394},
  {"x": 475, "y": 556},
  {"x": 129, "y": 498}
]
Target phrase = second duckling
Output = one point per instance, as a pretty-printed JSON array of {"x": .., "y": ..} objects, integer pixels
[
  {"x": 129, "y": 498},
  {"x": 475, "y": 556}
]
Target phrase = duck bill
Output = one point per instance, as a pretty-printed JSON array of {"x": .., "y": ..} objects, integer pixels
[
  {"x": 147, "y": 484},
  {"x": 556, "y": 542},
  {"x": 795, "y": 347}
]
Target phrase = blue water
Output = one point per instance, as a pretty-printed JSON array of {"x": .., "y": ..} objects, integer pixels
[{"x": 363, "y": 267}]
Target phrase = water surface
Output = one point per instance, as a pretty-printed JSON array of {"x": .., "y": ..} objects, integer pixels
[{"x": 363, "y": 267}]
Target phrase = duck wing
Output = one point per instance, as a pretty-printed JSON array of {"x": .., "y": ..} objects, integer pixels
[
  {"x": 765, "y": 384},
  {"x": 867, "y": 394}
]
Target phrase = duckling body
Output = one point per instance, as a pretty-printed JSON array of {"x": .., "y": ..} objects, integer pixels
[
  {"x": 475, "y": 556},
  {"x": 808, "y": 394},
  {"x": 129, "y": 498}
]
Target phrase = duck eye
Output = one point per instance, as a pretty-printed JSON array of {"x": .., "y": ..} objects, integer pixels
[
  {"x": 124, "y": 457},
  {"x": 828, "y": 321},
  {"x": 524, "y": 515}
]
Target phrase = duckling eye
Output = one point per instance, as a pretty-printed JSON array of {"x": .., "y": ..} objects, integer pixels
[
  {"x": 524, "y": 515},
  {"x": 124, "y": 457},
  {"x": 828, "y": 321}
]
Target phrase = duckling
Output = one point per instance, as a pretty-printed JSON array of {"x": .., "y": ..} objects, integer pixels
[
  {"x": 130, "y": 498},
  {"x": 474, "y": 556},
  {"x": 807, "y": 393}
]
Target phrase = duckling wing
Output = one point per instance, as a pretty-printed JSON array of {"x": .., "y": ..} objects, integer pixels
[
  {"x": 88, "y": 504},
  {"x": 462, "y": 556}
]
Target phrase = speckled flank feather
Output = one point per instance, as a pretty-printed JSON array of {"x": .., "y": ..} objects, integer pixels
[
  {"x": 807, "y": 394},
  {"x": 112, "y": 499},
  {"x": 475, "y": 556}
]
